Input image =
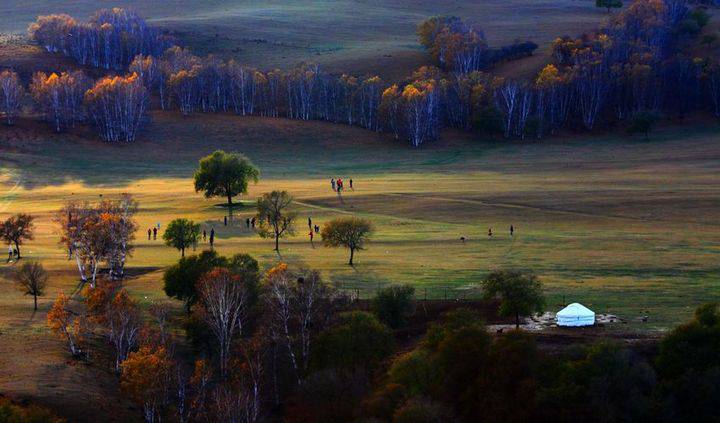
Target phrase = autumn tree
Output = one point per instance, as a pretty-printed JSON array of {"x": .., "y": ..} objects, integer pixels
[
  {"x": 67, "y": 324},
  {"x": 298, "y": 304},
  {"x": 225, "y": 174},
  {"x": 60, "y": 97},
  {"x": 97, "y": 234},
  {"x": 32, "y": 279},
  {"x": 17, "y": 229},
  {"x": 182, "y": 234},
  {"x": 276, "y": 221},
  {"x": 520, "y": 294},
  {"x": 11, "y": 95},
  {"x": 349, "y": 232},
  {"x": 222, "y": 305},
  {"x": 118, "y": 106},
  {"x": 146, "y": 377},
  {"x": 123, "y": 320}
]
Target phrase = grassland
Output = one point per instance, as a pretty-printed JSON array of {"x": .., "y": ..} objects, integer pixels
[
  {"x": 623, "y": 225},
  {"x": 361, "y": 36},
  {"x": 627, "y": 226}
]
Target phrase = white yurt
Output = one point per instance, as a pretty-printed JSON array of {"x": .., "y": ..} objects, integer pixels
[{"x": 575, "y": 315}]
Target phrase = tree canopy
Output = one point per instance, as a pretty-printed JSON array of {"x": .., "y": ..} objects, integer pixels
[
  {"x": 276, "y": 221},
  {"x": 520, "y": 294},
  {"x": 16, "y": 229},
  {"x": 225, "y": 174},
  {"x": 182, "y": 234},
  {"x": 349, "y": 232}
]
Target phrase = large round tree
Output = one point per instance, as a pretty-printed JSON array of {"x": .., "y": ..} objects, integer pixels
[{"x": 224, "y": 174}]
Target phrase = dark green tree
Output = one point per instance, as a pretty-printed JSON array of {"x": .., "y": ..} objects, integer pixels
[
  {"x": 182, "y": 234},
  {"x": 225, "y": 175},
  {"x": 180, "y": 279},
  {"x": 359, "y": 343},
  {"x": 520, "y": 294},
  {"x": 394, "y": 304}
]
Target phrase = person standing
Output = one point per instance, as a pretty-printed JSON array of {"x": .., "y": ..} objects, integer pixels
[
  {"x": 204, "y": 235},
  {"x": 149, "y": 233},
  {"x": 10, "y": 253},
  {"x": 247, "y": 222},
  {"x": 312, "y": 234},
  {"x": 309, "y": 223},
  {"x": 212, "y": 237},
  {"x": 252, "y": 222},
  {"x": 351, "y": 187},
  {"x": 225, "y": 220},
  {"x": 155, "y": 233},
  {"x": 332, "y": 183},
  {"x": 512, "y": 230}
]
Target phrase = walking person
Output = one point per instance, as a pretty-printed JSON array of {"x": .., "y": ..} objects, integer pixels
[
  {"x": 204, "y": 235},
  {"x": 10, "y": 254},
  {"x": 252, "y": 223},
  {"x": 512, "y": 230},
  {"x": 225, "y": 220},
  {"x": 155, "y": 233},
  {"x": 149, "y": 233},
  {"x": 312, "y": 234},
  {"x": 247, "y": 222},
  {"x": 212, "y": 237},
  {"x": 351, "y": 187},
  {"x": 317, "y": 229},
  {"x": 309, "y": 223},
  {"x": 332, "y": 182}
]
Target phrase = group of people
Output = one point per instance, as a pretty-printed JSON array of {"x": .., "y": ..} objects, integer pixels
[
  {"x": 152, "y": 232},
  {"x": 490, "y": 233},
  {"x": 12, "y": 253},
  {"x": 212, "y": 236},
  {"x": 338, "y": 184},
  {"x": 314, "y": 229}
]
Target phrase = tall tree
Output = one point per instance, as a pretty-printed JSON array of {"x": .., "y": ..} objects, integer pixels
[
  {"x": 182, "y": 234},
  {"x": 349, "y": 232},
  {"x": 276, "y": 221},
  {"x": 225, "y": 174},
  {"x": 32, "y": 278},
  {"x": 181, "y": 278},
  {"x": 17, "y": 229},
  {"x": 222, "y": 305},
  {"x": 11, "y": 95},
  {"x": 520, "y": 294}
]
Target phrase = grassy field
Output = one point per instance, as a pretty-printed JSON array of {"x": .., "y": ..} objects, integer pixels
[
  {"x": 627, "y": 226},
  {"x": 360, "y": 36},
  {"x": 622, "y": 225}
]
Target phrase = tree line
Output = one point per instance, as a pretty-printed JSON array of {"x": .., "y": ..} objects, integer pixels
[
  {"x": 632, "y": 69},
  {"x": 110, "y": 39}
]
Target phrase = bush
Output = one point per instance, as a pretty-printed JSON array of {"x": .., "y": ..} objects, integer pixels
[{"x": 394, "y": 305}]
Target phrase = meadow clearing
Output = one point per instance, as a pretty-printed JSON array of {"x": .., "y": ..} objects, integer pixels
[
  {"x": 358, "y": 36},
  {"x": 624, "y": 225}
]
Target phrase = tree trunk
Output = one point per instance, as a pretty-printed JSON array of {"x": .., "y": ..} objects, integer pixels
[
  {"x": 277, "y": 242},
  {"x": 517, "y": 320},
  {"x": 229, "y": 197},
  {"x": 182, "y": 252},
  {"x": 17, "y": 247},
  {"x": 35, "y": 298},
  {"x": 352, "y": 253}
]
